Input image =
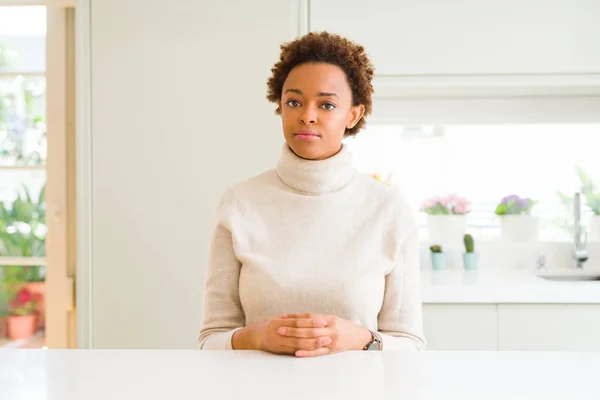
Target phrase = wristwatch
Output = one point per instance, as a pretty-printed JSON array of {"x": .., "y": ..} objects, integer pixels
[{"x": 375, "y": 343}]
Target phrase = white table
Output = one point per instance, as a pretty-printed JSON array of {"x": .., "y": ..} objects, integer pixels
[{"x": 195, "y": 374}]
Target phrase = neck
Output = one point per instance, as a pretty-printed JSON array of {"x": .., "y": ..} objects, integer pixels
[
  {"x": 315, "y": 176},
  {"x": 319, "y": 159}
]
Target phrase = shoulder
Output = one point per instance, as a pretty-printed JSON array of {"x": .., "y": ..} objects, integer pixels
[
  {"x": 251, "y": 185},
  {"x": 247, "y": 189}
]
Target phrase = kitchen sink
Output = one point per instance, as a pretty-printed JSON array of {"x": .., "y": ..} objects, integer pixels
[{"x": 569, "y": 274}]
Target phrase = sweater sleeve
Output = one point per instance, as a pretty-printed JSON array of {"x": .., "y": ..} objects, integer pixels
[
  {"x": 223, "y": 313},
  {"x": 400, "y": 321}
]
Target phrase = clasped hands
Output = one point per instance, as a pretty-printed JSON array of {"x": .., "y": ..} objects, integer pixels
[{"x": 305, "y": 335}]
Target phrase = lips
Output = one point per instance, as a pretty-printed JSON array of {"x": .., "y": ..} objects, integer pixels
[
  {"x": 307, "y": 133},
  {"x": 307, "y": 136}
]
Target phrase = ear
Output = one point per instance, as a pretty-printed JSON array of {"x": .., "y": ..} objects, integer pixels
[{"x": 356, "y": 113}]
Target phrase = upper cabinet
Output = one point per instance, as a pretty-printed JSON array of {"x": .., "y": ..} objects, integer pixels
[{"x": 473, "y": 46}]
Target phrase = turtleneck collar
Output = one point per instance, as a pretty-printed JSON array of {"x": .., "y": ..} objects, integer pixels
[{"x": 315, "y": 176}]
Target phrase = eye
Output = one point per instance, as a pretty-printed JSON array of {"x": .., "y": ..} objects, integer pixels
[
  {"x": 328, "y": 106},
  {"x": 292, "y": 103}
]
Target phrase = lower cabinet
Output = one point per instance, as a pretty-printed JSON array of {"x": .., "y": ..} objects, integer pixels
[
  {"x": 550, "y": 327},
  {"x": 512, "y": 327},
  {"x": 460, "y": 326}
]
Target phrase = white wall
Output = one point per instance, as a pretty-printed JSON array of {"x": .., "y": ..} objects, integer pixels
[{"x": 178, "y": 114}]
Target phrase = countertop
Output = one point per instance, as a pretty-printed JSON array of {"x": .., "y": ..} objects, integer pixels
[
  {"x": 503, "y": 286},
  {"x": 194, "y": 374}
]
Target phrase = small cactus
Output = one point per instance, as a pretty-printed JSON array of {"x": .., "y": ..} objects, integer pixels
[
  {"x": 435, "y": 248},
  {"x": 469, "y": 244}
]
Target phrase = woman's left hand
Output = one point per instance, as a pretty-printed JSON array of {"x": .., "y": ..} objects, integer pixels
[{"x": 344, "y": 334}]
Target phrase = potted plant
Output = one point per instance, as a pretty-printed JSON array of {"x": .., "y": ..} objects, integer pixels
[
  {"x": 22, "y": 234},
  {"x": 470, "y": 258},
  {"x": 16, "y": 277},
  {"x": 22, "y": 319},
  {"x": 438, "y": 258},
  {"x": 446, "y": 219},
  {"x": 516, "y": 221}
]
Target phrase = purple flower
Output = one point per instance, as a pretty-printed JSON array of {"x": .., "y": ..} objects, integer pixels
[
  {"x": 509, "y": 198},
  {"x": 515, "y": 205}
]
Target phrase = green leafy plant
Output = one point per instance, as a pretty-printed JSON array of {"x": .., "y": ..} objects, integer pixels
[
  {"x": 436, "y": 248},
  {"x": 23, "y": 226},
  {"x": 469, "y": 243},
  {"x": 591, "y": 192},
  {"x": 4, "y": 299}
]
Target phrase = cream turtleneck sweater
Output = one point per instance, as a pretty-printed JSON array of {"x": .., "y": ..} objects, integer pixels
[{"x": 314, "y": 236}]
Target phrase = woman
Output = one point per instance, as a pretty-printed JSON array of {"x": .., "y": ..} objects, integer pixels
[{"x": 312, "y": 257}]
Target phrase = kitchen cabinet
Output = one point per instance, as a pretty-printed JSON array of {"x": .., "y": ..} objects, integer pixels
[
  {"x": 512, "y": 327},
  {"x": 432, "y": 47},
  {"x": 552, "y": 327},
  {"x": 460, "y": 326}
]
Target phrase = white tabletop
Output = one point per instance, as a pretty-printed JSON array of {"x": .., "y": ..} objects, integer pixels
[
  {"x": 503, "y": 286},
  {"x": 195, "y": 374}
]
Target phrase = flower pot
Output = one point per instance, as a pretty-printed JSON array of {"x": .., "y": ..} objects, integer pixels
[
  {"x": 438, "y": 261},
  {"x": 38, "y": 290},
  {"x": 3, "y": 327},
  {"x": 594, "y": 228},
  {"x": 447, "y": 230},
  {"x": 21, "y": 326},
  {"x": 470, "y": 260},
  {"x": 519, "y": 227}
]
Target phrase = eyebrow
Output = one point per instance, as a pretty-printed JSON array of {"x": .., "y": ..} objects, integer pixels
[{"x": 321, "y": 94}]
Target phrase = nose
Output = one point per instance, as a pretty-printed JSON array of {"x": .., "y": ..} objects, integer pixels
[{"x": 309, "y": 116}]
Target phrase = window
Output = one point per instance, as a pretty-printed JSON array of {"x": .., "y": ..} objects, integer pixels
[
  {"x": 22, "y": 152},
  {"x": 484, "y": 163},
  {"x": 22, "y": 103}
]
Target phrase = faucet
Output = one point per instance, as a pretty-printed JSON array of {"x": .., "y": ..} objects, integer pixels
[{"x": 580, "y": 254}]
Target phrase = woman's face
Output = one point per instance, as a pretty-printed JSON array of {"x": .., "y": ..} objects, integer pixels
[{"x": 316, "y": 108}]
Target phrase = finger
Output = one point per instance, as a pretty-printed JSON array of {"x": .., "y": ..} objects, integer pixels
[
  {"x": 304, "y": 322},
  {"x": 281, "y": 349},
  {"x": 313, "y": 353},
  {"x": 275, "y": 346},
  {"x": 303, "y": 332},
  {"x": 305, "y": 343}
]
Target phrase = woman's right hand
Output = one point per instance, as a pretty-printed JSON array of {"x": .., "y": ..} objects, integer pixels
[{"x": 264, "y": 335}]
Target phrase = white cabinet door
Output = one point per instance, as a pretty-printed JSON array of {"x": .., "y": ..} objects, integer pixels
[
  {"x": 460, "y": 326},
  {"x": 470, "y": 37},
  {"x": 559, "y": 327}
]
